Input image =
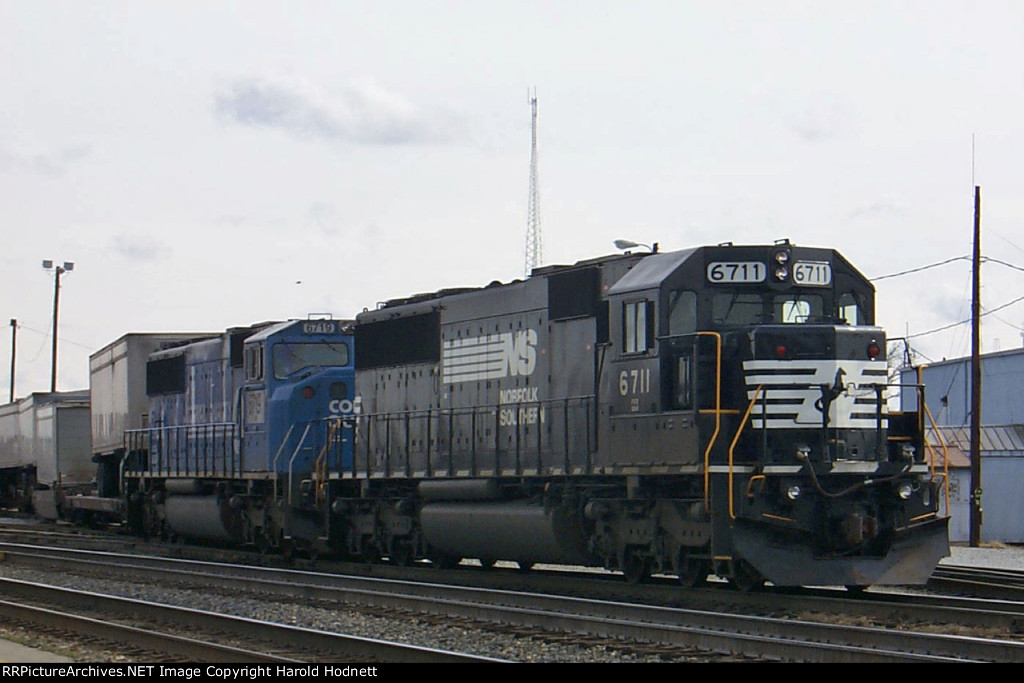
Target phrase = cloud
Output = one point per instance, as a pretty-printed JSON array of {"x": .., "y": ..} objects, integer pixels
[
  {"x": 52, "y": 164},
  {"x": 828, "y": 118},
  {"x": 361, "y": 112},
  {"x": 882, "y": 208},
  {"x": 323, "y": 217},
  {"x": 138, "y": 248}
]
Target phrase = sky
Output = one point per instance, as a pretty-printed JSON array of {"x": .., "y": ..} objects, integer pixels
[{"x": 212, "y": 164}]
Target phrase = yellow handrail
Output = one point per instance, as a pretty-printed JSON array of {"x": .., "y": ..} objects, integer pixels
[
  {"x": 945, "y": 455},
  {"x": 735, "y": 440},
  {"x": 938, "y": 435},
  {"x": 320, "y": 467}
]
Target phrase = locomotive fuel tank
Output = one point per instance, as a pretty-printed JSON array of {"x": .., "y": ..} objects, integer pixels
[
  {"x": 521, "y": 530},
  {"x": 207, "y": 517}
]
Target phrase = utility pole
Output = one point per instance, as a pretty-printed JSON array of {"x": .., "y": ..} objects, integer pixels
[
  {"x": 976, "y": 510},
  {"x": 67, "y": 267},
  {"x": 534, "y": 251},
  {"x": 14, "y": 347}
]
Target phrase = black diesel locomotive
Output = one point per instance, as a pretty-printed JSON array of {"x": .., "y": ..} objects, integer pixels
[{"x": 719, "y": 410}]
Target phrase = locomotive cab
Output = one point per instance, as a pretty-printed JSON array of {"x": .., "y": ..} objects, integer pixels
[{"x": 297, "y": 380}]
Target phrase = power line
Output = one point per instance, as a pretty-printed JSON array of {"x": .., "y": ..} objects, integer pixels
[
  {"x": 917, "y": 270},
  {"x": 984, "y": 259},
  {"x": 962, "y": 322},
  {"x": 1002, "y": 263}
]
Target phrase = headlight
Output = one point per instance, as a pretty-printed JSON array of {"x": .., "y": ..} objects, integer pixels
[
  {"x": 905, "y": 491},
  {"x": 793, "y": 492}
]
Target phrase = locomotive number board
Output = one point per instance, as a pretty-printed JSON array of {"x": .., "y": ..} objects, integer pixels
[
  {"x": 736, "y": 271},
  {"x": 812, "y": 273}
]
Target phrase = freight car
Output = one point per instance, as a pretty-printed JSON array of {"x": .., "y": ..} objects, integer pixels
[
  {"x": 715, "y": 410},
  {"x": 44, "y": 450}
]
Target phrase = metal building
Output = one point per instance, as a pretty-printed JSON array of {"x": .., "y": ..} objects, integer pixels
[{"x": 948, "y": 400}]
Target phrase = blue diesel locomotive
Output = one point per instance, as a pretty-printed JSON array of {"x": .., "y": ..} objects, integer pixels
[{"x": 239, "y": 426}]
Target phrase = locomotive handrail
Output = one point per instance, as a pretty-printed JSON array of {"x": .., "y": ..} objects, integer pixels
[
  {"x": 320, "y": 465},
  {"x": 519, "y": 448},
  {"x": 945, "y": 451},
  {"x": 945, "y": 455},
  {"x": 291, "y": 461},
  {"x": 717, "y": 410},
  {"x": 200, "y": 440},
  {"x": 718, "y": 415},
  {"x": 280, "y": 448},
  {"x": 735, "y": 440}
]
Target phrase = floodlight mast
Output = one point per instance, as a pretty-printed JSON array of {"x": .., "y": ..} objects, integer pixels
[{"x": 59, "y": 270}]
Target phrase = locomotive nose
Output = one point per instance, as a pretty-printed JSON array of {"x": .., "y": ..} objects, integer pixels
[{"x": 858, "y": 528}]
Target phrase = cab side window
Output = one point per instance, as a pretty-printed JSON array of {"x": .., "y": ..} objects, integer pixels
[
  {"x": 850, "y": 311},
  {"x": 637, "y": 326},
  {"x": 254, "y": 363},
  {"x": 682, "y": 312}
]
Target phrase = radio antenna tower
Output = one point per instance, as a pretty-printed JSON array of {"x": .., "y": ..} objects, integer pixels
[{"x": 534, "y": 249}]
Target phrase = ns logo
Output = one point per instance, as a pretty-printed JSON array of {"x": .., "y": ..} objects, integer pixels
[
  {"x": 490, "y": 356},
  {"x": 520, "y": 352}
]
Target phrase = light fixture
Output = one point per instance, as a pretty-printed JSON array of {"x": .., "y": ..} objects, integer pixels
[{"x": 630, "y": 244}]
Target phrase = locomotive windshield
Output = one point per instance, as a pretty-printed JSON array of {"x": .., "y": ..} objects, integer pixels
[
  {"x": 292, "y": 358},
  {"x": 751, "y": 308}
]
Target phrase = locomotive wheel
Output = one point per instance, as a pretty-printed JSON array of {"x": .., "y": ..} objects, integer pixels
[
  {"x": 368, "y": 551},
  {"x": 635, "y": 566},
  {"x": 745, "y": 578},
  {"x": 445, "y": 561},
  {"x": 401, "y": 553},
  {"x": 263, "y": 544},
  {"x": 692, "y": 571},
  {"x": 287, "y": 551},
  {"x": 524, "y": 566},
  {"x": 487, "y": 562}
]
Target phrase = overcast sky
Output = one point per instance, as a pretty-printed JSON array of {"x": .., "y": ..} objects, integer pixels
[{"x": 211, "y": 164}]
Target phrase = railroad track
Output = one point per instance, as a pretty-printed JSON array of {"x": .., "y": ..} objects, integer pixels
[
  {"x": 157, "y": 629},
  {"x": 673, "y": 632},
  {"x": 997, "y": 584}
]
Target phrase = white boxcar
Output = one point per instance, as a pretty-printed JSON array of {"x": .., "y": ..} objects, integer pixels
[
  {"x": 117, "y": 382},
  {"x": 60, "y": 446},
  {"x": 44, "y": 445}
]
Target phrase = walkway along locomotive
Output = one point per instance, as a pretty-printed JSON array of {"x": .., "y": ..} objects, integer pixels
[{"x": 718, "y": 410}]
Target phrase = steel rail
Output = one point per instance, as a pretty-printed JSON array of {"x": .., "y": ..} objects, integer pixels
[
  {"x": 281, "y": 635},
  {"x": 785, "y": 639},
  {"x": 136, "y": 638}
]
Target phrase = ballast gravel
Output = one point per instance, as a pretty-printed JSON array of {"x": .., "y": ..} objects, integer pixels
[
  {"x": 410, "y": 630},
  {"x": 457, "y": 637}
]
